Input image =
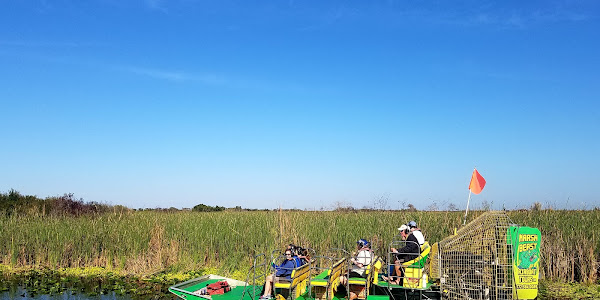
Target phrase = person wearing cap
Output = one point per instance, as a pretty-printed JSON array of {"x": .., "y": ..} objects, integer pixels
[
  {"x": 363, "y": 258},
  {"x": 416, "y": 231},
  {"x": 411, "y": 250}
]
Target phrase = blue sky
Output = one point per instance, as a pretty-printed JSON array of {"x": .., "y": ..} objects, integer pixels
[{"x": 301, "y": 103}]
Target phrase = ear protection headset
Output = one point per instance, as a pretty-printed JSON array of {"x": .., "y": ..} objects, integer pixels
[{"x": 407, "y": 230}]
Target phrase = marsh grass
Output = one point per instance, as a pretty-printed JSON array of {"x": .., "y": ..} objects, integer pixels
[
  {"x": 151, "y": 242},
  {"x": 562, "y": 290}
]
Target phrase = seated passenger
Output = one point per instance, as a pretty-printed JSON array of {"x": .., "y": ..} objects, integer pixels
[
  {"x": 283, "y": 272},
  {"x": 363, "y": 258},
  {"x": 410, "y": 251},
  {"x": 416, "y": 231},
  {"x": 296, "y": 253},
  {"x": 291, "y": 247},
  {"x": 303, "y": 255}
]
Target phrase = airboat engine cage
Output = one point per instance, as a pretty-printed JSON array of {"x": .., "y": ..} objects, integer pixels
[{"x": 490, "y": 259}]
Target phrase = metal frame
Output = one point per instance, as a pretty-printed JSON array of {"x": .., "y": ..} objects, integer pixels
[
  {"x": 391, "y": 257},
  {"x": 369, "y": 276},
  {"x": 260, "y": 262},
  {"x": 332, "y": 258},
  {"x": 477, "y": 262}
]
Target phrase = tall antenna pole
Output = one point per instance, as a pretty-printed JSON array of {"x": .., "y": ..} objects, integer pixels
[{"x": 467, "y": 211}]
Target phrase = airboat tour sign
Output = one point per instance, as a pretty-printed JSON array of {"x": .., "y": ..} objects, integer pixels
[{"x": 526, "y": 260}]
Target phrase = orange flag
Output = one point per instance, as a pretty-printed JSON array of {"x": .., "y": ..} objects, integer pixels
[{"x": 477, "y": 182}]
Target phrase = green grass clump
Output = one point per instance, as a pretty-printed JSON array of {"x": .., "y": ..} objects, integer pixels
[{"x": 568, "y": 290}]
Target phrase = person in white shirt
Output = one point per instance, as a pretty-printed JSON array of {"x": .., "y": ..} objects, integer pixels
[
  {"x": 416, "y": 231},
  {"x": 363, "y": 258}
]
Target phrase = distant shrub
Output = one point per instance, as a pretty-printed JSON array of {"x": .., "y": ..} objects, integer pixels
[
  {"x": 411, "y": 208},
  {"x": 15, "y": 203},
  {"x": 204, "y": 207},
  {"x": 536, "y": 206},
  {"x": 66, "y": 205}
]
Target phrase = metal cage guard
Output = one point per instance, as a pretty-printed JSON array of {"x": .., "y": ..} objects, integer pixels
[{"x": 260, "y": 262}]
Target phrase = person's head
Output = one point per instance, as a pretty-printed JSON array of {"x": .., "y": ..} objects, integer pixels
[
  {"x": 289, "y": 255},
  {"x": 292, "y": 248},
  {"x": 362, "y": 243},
  {"x": 304, "y": 253},
  {"x": 404, "y": 231},
  {"x": 412, "y": 225}
]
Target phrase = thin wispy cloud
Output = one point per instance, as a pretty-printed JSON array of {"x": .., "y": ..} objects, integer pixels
[
  {"x": 49, "y": 44},
  {"x": 522, "y": 18},
  {"x": 211, "y": 79},
  {"x": 158, "y": 5},
  {"x": 331, "y": 17},
  {"x": 525, "y": 19},
  {"x": 558, "y": 16},
  {"x": 176, "y": 76},
  {"x": 473, "y": 13}
]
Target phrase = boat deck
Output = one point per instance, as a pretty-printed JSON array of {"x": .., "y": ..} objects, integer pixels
[
  {"x": 242, "y": 292},
  {"x": 238, "y": 292}
]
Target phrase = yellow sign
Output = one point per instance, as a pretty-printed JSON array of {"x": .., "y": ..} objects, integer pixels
[{"x": 526, "y": 261}]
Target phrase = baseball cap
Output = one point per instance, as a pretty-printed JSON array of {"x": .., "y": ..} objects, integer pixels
[{"x": 403, "y": 227}]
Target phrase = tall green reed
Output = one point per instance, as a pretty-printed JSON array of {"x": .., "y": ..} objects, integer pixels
[{"x": 150, "y": 242}]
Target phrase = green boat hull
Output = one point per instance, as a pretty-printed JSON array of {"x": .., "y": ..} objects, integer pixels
[
  {"x": 239, "y": 289},
  {"x": 242, "y": 291}
]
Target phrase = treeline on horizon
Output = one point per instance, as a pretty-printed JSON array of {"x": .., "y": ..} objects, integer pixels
[{"x": 13, "y": 202}]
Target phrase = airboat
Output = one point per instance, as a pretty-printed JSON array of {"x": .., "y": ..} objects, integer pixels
[{"x": 490, "y": 258}]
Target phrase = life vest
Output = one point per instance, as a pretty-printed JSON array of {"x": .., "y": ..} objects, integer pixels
[{"x": 218, "y": 288}]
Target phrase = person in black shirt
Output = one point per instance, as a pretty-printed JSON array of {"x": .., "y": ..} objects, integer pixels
[{"x": 410, "y": 251}]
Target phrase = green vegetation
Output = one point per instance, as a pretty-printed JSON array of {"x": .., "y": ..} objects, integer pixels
[
  {"x": 203, "y": 208},
  {"x": 148, "y": 242},
  {"x": 152, "y": 243},
  {"x": 13, "y": 203},
  {"x": 563, "y": 290},
  {"x": 88, "y": 281}
]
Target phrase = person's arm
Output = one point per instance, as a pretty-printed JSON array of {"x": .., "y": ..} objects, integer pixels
[
  {"x": 285, "y": 269},
  {"x": 354, "y": 260},
  {"x": 411, "y": 247},
  {"x": 357, "y": 263},
  {"x": 280, "y": 267}
]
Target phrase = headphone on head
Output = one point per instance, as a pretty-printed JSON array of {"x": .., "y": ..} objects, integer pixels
[{"x": 407, "y": 230}]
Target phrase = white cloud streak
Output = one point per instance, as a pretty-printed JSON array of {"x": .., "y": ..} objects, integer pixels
[
  {"x": 156, "y": 5},
  {"x": 507, "y": 18},
  {"x": 176, "y": 76},
  {"x": 49, "y": 44},
  {"x": 211, "y": 79}
]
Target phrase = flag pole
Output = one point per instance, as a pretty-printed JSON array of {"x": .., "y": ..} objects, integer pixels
[{"x": 467, "y": 211}]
